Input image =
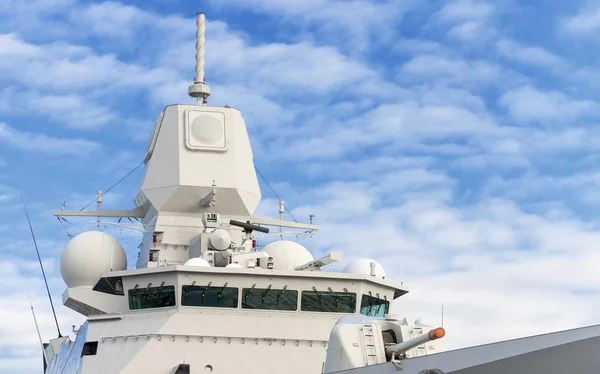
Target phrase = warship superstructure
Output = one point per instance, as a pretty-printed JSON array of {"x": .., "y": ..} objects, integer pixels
[{"x": 205, "y": 297}]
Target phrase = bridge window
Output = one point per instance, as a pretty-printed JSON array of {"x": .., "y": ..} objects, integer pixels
[
  {"x": 89, "y": 349},
  {"x": 151, "y": 297},
  {"x": 374, "y": 307},
  {"x": 110, "y": 285},
  {"x": 219, "y": 297},
  {"x": 330, "y": 302},
  {"x": 270, "y": 299}
]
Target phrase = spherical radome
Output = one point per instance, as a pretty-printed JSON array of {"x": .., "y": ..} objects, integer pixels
[
  {"x": 287, "y": 255},
  {"x": 220, "y": 239},
  {"x": 88, "y": 255},
  {"x": 197, "y": 261},
  {"x": 363, "y": 266}
]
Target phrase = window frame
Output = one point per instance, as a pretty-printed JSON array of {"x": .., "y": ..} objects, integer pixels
[
  {"x": 244, "y": 295},
  {"x": 328, "y": 292},
  {"x": 238, "y": 297},
  {"x": 371, "y": 297},
  {"x": 169, "y": 286}
]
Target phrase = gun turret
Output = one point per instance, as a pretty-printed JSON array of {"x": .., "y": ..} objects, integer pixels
[{"x": 398, "y": 349}]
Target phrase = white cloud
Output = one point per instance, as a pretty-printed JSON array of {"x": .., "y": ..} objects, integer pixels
[
  {"x": 461, "y": 10},
  {"x": 585, "y": 23},
  {"x": 356, "y": 20},
  {"x": 451, "y": 70},
  {"x": 528, "y": 104},
  {"x": 72, "y": 111},
  {"x": 535, "y": 56},
  {"x": 110, "y": 19},
  {"x": 37, "y": 142},
  {"x": 66, "y": 67},
  {"x": 470, "y": 20},
  {"x": 488, "y": 259},
  {"x": 580, "y": 186}
]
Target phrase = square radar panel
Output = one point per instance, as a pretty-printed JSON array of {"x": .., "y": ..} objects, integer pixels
[{"x": 205, "y": 131}]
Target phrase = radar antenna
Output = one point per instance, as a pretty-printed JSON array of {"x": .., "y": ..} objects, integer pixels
[{"x": 200, "y": 90}]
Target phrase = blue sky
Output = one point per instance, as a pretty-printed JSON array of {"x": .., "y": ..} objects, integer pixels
[{"x": 458, "y": 138}]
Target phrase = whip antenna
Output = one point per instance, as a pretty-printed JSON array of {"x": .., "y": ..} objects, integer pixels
[
  {"x": 42, "y": 267},
  {"x": 36, "y": 324},
  {"x": 200, "y": 90}
]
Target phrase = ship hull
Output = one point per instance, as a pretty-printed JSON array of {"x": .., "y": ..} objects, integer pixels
[{"x": 574, "y": 351}]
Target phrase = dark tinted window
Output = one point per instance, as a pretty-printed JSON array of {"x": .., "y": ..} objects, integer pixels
[
  {"x": 331, "y": 302},
  {"x": 220, "y": 297},
  {"x": 262, "y": 298},
  {"x": 153, "y": 297},
  {"x": 373, "y": 306},
  {"x": 89, "y": 349},
  {"x": 110, "y": 285}
]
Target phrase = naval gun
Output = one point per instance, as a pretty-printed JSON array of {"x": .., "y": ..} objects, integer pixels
[
  {"x": 399, "y": 350},
  {"x": 358, "y": 342}
]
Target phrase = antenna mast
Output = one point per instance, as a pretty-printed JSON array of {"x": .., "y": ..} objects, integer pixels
[
  {"x": 36, "y": 324},
  {"x": 42, "y": 267},
  {"x": 199, "y": 89}
]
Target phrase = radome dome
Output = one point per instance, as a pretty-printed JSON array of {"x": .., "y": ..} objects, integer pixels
[
  {"x": 88, "y": 255},
  {"x": 287, "y": 255},
  {"x": 363, "y": 266},
  {"x": 197, "y": 261}
]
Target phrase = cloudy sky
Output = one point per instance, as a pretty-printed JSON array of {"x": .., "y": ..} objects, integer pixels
[{"x": 456, "y": 138}]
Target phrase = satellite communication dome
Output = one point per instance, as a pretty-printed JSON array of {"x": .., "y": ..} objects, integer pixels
[
  {"x": 220, "y": 239},
  {"x": 363, "y": 266},
  {"x": 287, "y": 255},
  {"x": 88, "y": 255},
  {"x": 197, "y": 261}
]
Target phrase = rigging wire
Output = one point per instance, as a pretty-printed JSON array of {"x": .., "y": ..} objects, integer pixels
[
  {"x": 111, "y": 187},
  {"x": 41, "y": 266},
  {"x": 275, "y": 193},
  {"x": 60, "y": 220}
]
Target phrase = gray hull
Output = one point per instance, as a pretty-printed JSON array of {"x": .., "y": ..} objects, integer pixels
[{"x": 574, "y": 351}]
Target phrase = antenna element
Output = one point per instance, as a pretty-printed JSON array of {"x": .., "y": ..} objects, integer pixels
[
  {"x": 199, "y": 89},
  {"x": 36, "y": 324},
  {"x": 42, "y": 267}
]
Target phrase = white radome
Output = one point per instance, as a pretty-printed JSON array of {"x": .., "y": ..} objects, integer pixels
[
  {"x": 197, "y": 261},
  {"x": 363, "y": 266},
  {"x": 287, "y": 255},
  {"x": 88, "y": 255},
  {"x": 220, "y": 239}
]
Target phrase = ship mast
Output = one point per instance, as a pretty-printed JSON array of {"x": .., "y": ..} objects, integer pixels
[{"x": 200, "y": 90}]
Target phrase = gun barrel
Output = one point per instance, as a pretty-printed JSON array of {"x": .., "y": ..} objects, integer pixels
[
  {"x": 249, "y": 226},
  {"x": 400, "y": 348}
]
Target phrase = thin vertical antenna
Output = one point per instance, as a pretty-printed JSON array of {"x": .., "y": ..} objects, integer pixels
[
  {"x": 281, "y": 216},
  {"x": 442, "y": 315},
  {"x": 35, "y": 322},
  {"x": 42, "y": 267},
  {"x": 401, "y": 272},
  {"x": 199, "y": 89},
  {"x": 200, "y": 40}
]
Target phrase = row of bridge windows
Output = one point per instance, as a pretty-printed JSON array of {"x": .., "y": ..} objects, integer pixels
[{"x": 257, "y": 298}]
